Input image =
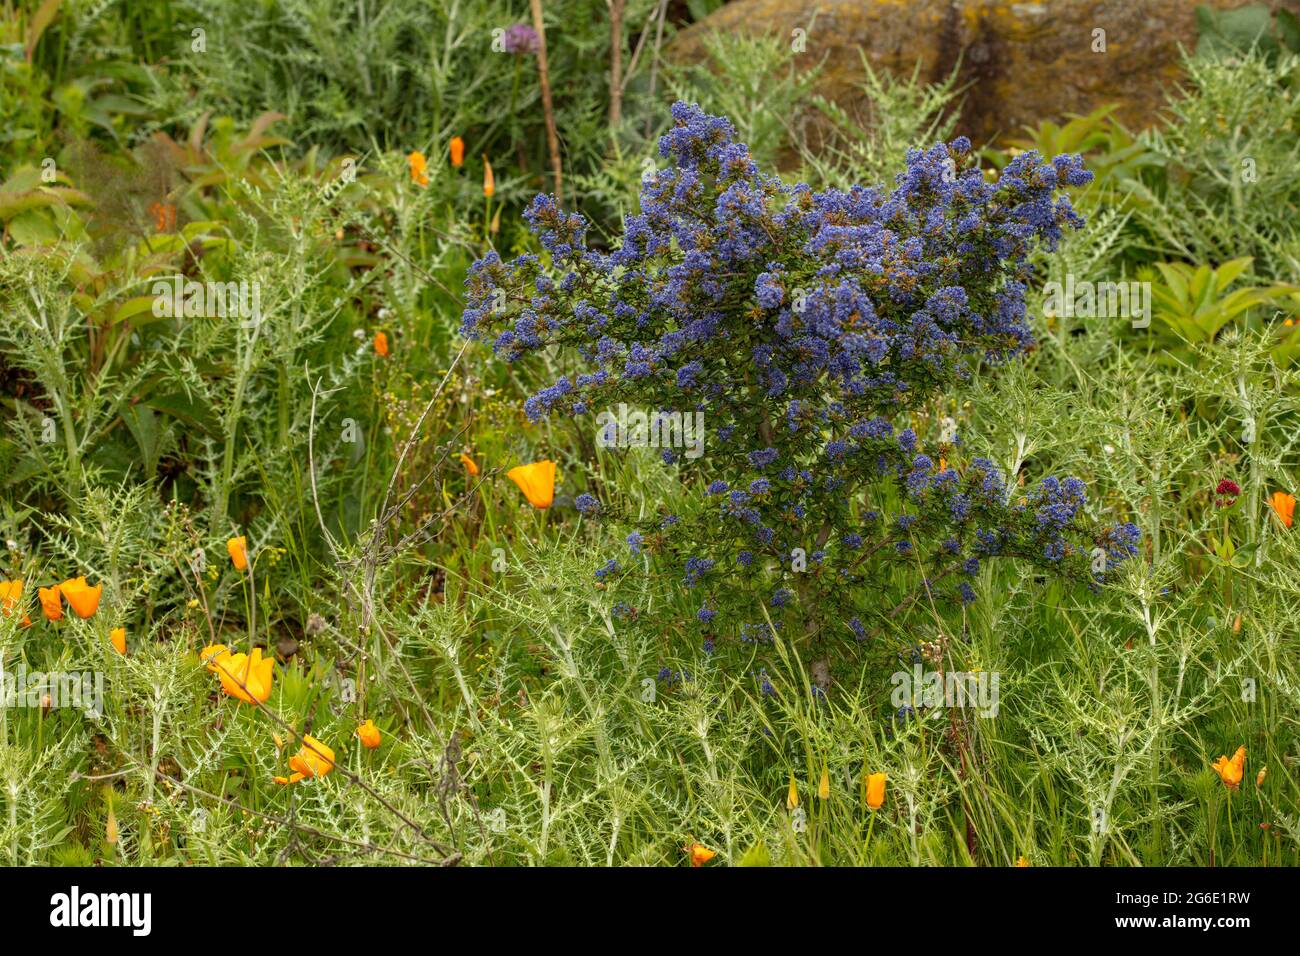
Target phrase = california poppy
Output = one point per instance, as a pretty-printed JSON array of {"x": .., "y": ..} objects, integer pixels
[
  {"x": 369, "y": 735},
  {"x": 489, "y": 181},
  {"x": 209, "y": 655},
  {"x": 471, "y": 469},
  {"x": 82, "y": 598},
  {"x": 875, "y": 790},
  {"x": 457, "y": 151},
  {"x": 381, "y": 345},
  {"x": 419, "y": 168},
  {"x": 314, "y": 759},
  {"x": 118, "y": 636},
  {"x": 1283, "y": 505},
  {"x": 1023, "y": 861},
  {"x": 792, "y": 795},
  {"x": 1230, "y": 771},
  {"x": 824, "y": 785},
  {"x": 51, "y": 602},
  {"x": 245, "y": 677},
  {"x": 237, "y": 548},
  {"x": 700, "y": 854},
  {"x": 536, "y": 481},
  {"x": 1259, "y": 777},
  {"x": 11, "y": 592}
]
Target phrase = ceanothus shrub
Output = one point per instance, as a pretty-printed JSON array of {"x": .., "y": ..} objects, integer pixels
[{"x": 807, "y": 328}]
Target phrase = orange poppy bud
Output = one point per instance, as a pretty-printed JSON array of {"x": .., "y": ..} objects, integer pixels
[
  {"x": 471, "y": 469},
  {"x": 700, "y": 854},
  {"x": 489, "y": 182},
  {"x": 314, "y": 759},
  {"x": 1230, "y": 771},
  {"x": 457, "y": 151},
  {"x": 118, "y": 636},
  {"x": 1023, "y": 861},
  {"x": 51, "y": 602},
  {"x": 792, "y": 795},
  {"x": 536, "y": 481},
  {"x": 1283, "y": 505},
  {"x": 369, "y": 735},
  {"x": 381, "y": 345},
  {"x": 419, "y": 168},
  {"x": 824, "y": 785},
  {"x": 875, "y": 790},
  {"x": 1259, "y": 777},
  {"x": 82, "y": 598},
  {"x": 164, "y": 216},
  {"x": 237, "y": 548}
]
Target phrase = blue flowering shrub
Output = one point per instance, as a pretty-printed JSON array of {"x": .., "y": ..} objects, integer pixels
[{"x": 808, "y": 329}]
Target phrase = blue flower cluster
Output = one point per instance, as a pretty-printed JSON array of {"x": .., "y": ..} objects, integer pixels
[{"x": 811, "y": 330}]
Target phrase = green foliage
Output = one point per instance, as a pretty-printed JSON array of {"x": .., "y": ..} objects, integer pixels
[
  {"x": 1195, "y": 302},
  {"x": 1222, "y": 33}
]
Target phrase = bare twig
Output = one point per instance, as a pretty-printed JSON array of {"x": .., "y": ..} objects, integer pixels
[
  {"x": 544, "y": 80},
  {"x": 615, "y": 63}
]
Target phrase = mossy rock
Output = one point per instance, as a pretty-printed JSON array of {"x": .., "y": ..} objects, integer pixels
[{"x": 1022, "y": 62}]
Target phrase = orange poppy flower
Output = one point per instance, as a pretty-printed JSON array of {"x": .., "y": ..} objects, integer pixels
[
  {"x": 381, "y": 345},
  {"x": 237, "y": 548},
  {"x": 211, "y": 654},
  {"x": 1230, "y": 771},
  {"x": 457, "y": 151},
  {"x": 244, "y": 677},
  {"x": 118, "y": 636},
  {"x": 369, "y": 735},
  {"x": 875, "y": 790},
  {"x": 11, "y": 592},
  {"x": 700, "y": 854},
  {"x": 471, "y": 469},
  {"x": 419, "y": 168},
  {"x": 536, "y": 481},
  {"x": 489, "y": 181},
  {"x": 313, "y": 759},
  {"x": 82, "y": 598},
  {"x": 1283, "y": 505},
  {"x": 1023, "y": 861},
  {"x": 51, "y": 602}
]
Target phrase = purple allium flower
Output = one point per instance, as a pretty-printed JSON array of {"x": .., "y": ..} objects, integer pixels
[{"x": 521, "y": 39}]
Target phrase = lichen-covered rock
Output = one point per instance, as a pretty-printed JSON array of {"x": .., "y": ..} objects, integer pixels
[{"x": 1024, "y": 62}]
